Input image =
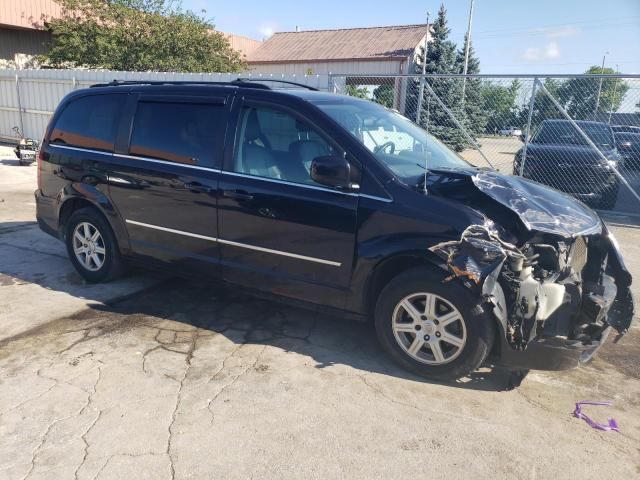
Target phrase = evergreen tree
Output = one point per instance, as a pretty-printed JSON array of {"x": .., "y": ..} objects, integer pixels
[
  {"x": 384, "y": 95},
  {"x": 471, "y": 99},
  {"x": 441, "y": 59}
]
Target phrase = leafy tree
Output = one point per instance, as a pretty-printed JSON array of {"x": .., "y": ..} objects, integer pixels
[
  {"x": 579, "y": 96},
  {"x": 137, "y": 35},
  {"x": 440, "y": 58},
  {"x": 543, "y": 107},
  {"x": 499, "y": 105},
  {"x": 474, "y": 116},
  {"x": 359, "y": 92},
  {"x": 384, "y": 95}
]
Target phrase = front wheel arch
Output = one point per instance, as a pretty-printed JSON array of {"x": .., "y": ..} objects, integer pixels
[
  {"x": 390, "y": 267},
  {"x": 480, "y": 325}
]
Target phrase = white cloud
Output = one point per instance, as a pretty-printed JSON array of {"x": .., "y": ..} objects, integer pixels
[
  {"x": 267, "y": 29},
  {"x": 535, "y": 54}
]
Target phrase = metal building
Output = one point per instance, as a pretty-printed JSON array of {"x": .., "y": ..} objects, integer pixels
[
  {"x": 22, "y": 25},
  {"x": 370, "y": 50}
]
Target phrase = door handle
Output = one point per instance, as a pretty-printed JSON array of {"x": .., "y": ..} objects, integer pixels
[
  {"x": 198, "y": 187},
  {"x": 237, "y": 194}
]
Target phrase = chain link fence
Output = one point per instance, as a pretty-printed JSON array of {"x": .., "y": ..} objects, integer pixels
[{"x": 578, "y": 134}]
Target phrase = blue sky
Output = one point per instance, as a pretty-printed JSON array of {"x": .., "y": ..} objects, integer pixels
[{"x": 510, "y": 36}]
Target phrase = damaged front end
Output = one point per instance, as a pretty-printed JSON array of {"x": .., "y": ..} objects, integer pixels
[{"x": 558, "y": 292}]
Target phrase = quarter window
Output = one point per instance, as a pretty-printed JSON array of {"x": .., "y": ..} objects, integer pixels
[
  {"x": 89, "y": 122},
  {"x": 189, "y": 133},
  {"x": 274, "y": 144}
]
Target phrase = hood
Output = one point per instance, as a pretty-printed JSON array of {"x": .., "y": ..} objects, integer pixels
[{"x": 539, "y": 207}]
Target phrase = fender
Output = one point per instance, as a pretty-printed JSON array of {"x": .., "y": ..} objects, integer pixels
[
  {"x": 372, "y": 256},
  {"x": 93, "y": 195}
]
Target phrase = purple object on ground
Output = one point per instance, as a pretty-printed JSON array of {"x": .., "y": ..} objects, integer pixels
[{"x": 611, "y": 425}]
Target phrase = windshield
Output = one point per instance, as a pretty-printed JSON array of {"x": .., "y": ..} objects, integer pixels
[
  {"x": 396, "y": 141},
  {"x": 563, "y": 133}
]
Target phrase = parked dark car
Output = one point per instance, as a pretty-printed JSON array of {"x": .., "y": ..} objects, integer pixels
[
  {"x": 628, "y": 144},
  {"x": 559, "y": 156},
  {"x": 286, "y": 192}
]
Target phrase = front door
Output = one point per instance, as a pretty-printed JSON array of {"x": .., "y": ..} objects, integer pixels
[
  {"x": 279, "y": 230},
  {"x": 164, "y": 185}
]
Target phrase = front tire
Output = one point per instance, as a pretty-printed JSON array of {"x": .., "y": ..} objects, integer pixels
[
  {"x": 433, "y": 329},
  {"x": 92, "y": 246}
]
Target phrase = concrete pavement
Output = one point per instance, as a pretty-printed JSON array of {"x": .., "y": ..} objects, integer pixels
[
  {"x": 37, "y": 281},
  {"x": 197, "y": 381}
]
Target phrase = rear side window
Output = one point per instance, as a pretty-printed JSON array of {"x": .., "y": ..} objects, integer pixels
[
  {"x": 188, "y": 133},
  {"x": 89, "y": 122}
]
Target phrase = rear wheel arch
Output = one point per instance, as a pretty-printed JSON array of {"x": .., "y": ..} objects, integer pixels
[
  {"x": 68, "y": 207},
  {"x": 75, "y": 203}
]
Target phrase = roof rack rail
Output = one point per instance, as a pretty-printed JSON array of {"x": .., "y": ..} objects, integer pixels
[
  {"x": 285, "y": 82},
  {"x": 234, "y": 83},
  {"x": 238, "y": 82}
]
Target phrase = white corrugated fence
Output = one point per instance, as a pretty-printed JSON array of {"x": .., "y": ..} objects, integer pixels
[{"x": 28, "y": 98}]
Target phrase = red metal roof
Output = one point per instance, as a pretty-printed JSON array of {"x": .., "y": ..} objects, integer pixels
[{"x": 373, "y": 43}]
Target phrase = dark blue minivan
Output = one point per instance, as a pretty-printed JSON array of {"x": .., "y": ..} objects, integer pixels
[{"x": 336, "y": 203}]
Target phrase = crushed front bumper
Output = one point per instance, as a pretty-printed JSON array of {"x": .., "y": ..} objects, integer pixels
[
  {"x": 607, "y": 307},
  {"x": 551, "y": 353}
]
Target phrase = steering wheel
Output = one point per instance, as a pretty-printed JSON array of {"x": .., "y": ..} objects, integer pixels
[{"x": 387, "y": 145}]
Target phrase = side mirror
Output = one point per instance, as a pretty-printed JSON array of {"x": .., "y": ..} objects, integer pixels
[
  {"x": 332, "y": 171},
  {"x": 523, "y": 137}
]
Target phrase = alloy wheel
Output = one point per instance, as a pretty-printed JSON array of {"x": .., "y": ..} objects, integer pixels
[
  {"x": 88, "y": 246},
  {"x": 429, "y": 328}
]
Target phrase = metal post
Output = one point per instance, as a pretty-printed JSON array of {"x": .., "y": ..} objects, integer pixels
[
  {"x": 458, "y": 124},
  {"x": 19, "y": 105},
  {"x": 613, "y": 98},
  {"x": 527, "y": 135},
  {"x": 587, "y": 139},
  {"x": 466, "y": 51},
  {"x": 595, "y": 112},
  {"x": 424, "y": 72}
]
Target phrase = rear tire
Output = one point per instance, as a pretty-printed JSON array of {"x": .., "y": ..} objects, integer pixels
[
  {"x": 92, "y": 246},
  {"x": 419, "y": 340}
]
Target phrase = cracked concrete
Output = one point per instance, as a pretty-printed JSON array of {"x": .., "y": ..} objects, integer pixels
[
  {"x": 309, "y": 396},
  {"x": 194, "y": 381}
]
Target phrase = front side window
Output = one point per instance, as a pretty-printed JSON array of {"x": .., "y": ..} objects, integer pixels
[
  {"x": 188, "y": 133},
  {"x": 274, "y": 144},
  {"x": 401, "y": 145},
  {"x": 89, "y": 122}
]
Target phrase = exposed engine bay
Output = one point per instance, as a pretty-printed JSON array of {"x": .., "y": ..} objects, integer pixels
[{"x": 556, "y": 280}]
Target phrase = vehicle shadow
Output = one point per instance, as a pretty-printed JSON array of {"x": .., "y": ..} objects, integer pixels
[
  {"x": 10, "y": 162},
  {"x": 328, "y": 340},
  {"x": 225, "y": 310}
]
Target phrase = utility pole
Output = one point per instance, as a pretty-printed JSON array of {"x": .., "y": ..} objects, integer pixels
[
  {"x": 466, "y": 50},
  {"x": 595, "y": 112},
  {"x": 424, "y": 71}
]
